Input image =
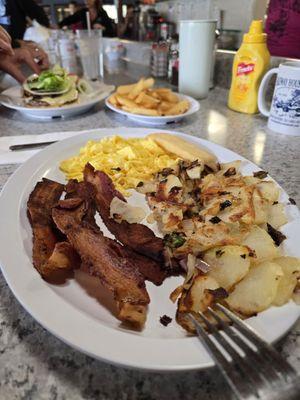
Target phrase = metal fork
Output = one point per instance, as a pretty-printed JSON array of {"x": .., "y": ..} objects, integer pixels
[{"x": 251, "y": 366}]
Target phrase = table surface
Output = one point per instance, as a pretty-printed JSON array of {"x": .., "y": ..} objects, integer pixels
[{"x": 36, "y": 365}]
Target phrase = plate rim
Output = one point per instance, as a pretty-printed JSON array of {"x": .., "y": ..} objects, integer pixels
[
  {"x": 29, "y": 305},
  {"x": 72, "y": 107}
]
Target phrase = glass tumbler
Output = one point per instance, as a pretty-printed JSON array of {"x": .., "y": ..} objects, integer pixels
[{"x": 91, "y": 53}]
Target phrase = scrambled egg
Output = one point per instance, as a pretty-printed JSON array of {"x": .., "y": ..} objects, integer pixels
[{"x": 126, "y": 161}]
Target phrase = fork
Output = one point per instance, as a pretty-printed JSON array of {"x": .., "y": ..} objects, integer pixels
[{"x": 251, "y": 366}]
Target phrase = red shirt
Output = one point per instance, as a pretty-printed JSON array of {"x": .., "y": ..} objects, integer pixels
[{"x": 283, "y": 28}]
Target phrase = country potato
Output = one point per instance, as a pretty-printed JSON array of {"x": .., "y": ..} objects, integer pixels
[
  {"x": 257, "y": 290},
  {"x": 269, "y": 190},
  {"x": 291, "y": 273},
  {"x": 262, "y": 244},
  {"x": 261, "y": 207},
  {"x": 229, "y": 264},
  {"x": 276, "y": 215},
  {"x": 198, "y": 297}
]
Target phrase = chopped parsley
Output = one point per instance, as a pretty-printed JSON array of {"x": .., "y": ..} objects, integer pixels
[{"x": 174, "y": 240}]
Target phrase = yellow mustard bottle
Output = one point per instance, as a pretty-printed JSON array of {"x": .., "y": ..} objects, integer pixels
[{"x": 250, "y": 64}]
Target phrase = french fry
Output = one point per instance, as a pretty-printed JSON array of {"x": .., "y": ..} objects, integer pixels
[
  {"x": 162, "y": 90},
  {"x": 146, "y": 101},
  {"x": 169, "y": 96},
  {"x": 136, "y": 90},
  {"x": 124, "y": 101},
  {"x": 152, "y": 93},
  {"x": 141, "y": 111},
  {"x": 113, "y": 100},
  {"x": 165, "y": 105},
  {"x": 148, "y": 83},
  {"x": 125, "y": 89},
  {"x": 141, "y": 98},
  {"x": 178, "y": 108}
]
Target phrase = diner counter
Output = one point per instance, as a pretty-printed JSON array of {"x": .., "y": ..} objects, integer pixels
[{"x": 36, "y": 365}]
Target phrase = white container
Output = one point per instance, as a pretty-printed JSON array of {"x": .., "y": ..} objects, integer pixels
[
  {"x": 284, "y": 114},
  {"x": 196, "y": 47}
]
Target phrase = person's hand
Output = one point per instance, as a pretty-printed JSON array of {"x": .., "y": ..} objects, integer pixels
[
  {"x": 37, "y": 53},
  {"x": 11, "y": 64},
  {"x": 5, "y": 42},
  {"x": 98, "y": 26}
]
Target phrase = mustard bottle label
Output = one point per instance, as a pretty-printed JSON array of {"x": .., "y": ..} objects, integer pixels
[
  {"x": 244, "y": 68},
  {"x": 244, "y": 78}
]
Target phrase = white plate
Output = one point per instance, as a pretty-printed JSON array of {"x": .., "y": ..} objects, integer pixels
[
  {"x": 155, "y": 121},
  {"x": 85, "y": 323},
  {"x": 83, "y": 104}
]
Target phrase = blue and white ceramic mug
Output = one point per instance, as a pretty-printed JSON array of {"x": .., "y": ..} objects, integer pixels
[{"x": 284, "y": 114}]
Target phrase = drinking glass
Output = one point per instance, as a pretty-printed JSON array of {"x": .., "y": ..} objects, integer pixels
[
  {"x": 67, "y": 51},
  {"x": 91, "y": 53},
  {"x": 196, "y": 46}
]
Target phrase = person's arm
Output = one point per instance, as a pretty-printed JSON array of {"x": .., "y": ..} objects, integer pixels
[
  {"x": 5, "y": 43},
  {"x": 34, "y": 11},
  {"x": 107, "y": 23},
  {"x": 73, "y": 19}
]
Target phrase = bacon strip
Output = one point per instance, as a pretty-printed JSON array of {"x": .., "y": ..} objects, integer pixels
[
  {"x": 51, "y": 258},
  {"x": 138, "y": 237},
  {"x": 84, "y": 191},
  {"x": 104, "y": 258}
]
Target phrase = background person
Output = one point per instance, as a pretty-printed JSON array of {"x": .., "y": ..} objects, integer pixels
[
  {"x": 125, "y": 25},
  {"x": 283, "y": 28},
  {"x": 73, "y": 7},
  {"x": 14, "y": 14},
  {"x": 98, "y": 16}
]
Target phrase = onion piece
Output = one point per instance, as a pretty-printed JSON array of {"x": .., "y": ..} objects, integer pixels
[
  {"x": 183, "y": 264},
  {"x": 195, "y": 172},
  {"x": 146, "y": 187},
  {"x": 172, "y": 181},
  {"x": 191, "y": 263},
  {"x": 126, "y": 212},
  {"x": 176, "y": 293},
  {"x": 202, "y": 266}
]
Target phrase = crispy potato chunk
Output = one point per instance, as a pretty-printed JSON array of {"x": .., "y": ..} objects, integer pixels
[
  {"x": 291, "y": 273},
  {"x": 229, "y": 264},
  {"x": 196, "y": 299},
  {"x": 261, "y": 207},
  {"x": 269, "y": 190},
  {"x": 257, "y": 290},
  {"x": 262, "y": 243},
  {"x": 276, "y": 215}
]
